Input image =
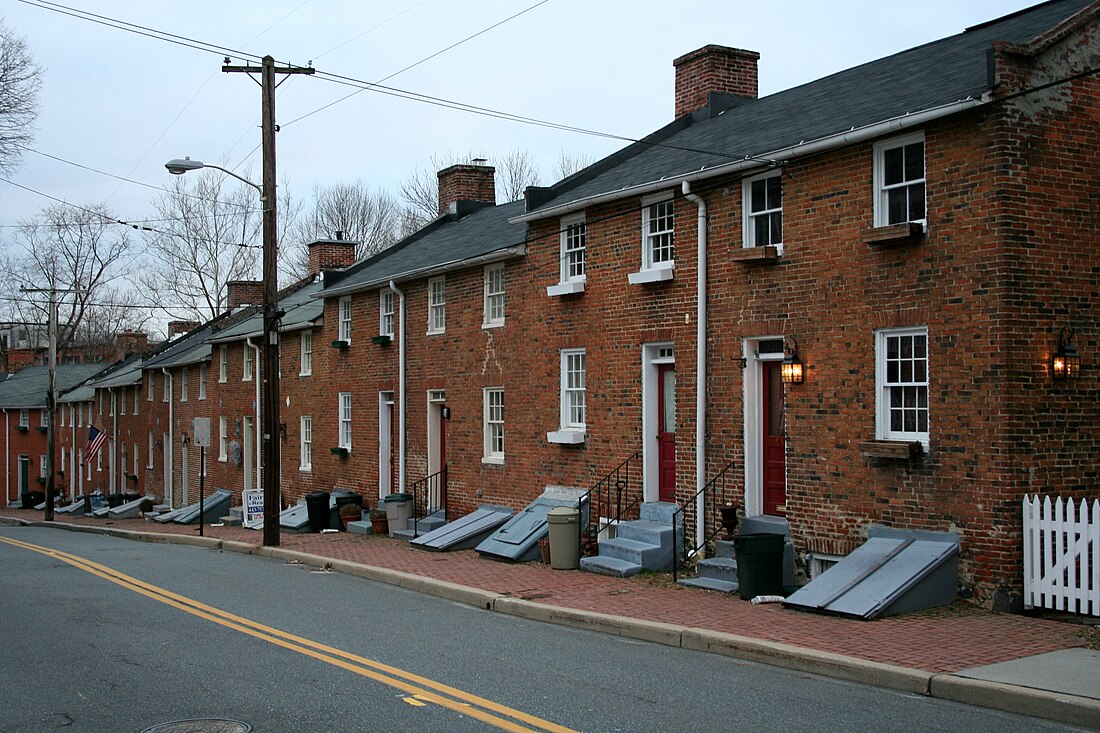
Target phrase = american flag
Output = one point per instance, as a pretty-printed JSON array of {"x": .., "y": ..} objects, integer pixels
[{"x": 95, "y": 442}]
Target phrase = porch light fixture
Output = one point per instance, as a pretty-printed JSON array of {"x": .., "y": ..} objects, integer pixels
[
  {"x": 1066, "y": 362},
  {"x": 791, "y": 369}
]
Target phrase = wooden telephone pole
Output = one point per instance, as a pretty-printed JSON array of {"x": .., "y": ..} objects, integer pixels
[{"x": 269, "y": 457}]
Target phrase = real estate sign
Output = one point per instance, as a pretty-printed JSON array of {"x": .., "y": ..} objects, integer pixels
[{"x": 253, "y": 507}]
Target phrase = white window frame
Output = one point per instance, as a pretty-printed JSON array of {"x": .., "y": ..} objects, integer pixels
[
  {"x": 752, "y": 219},
  {"x": 437, "y": 305},
  {"x": 884, "y": 388},
  {"x": 137, "y": 399},
  {"x": 385, "y": 312},
  {"x": 882, "y": 191},
  {"x": 136, "y": 459},
  {"x": 573, "y": 242},
  {"x": 202, "y": 381},
  {"x": 149, "y": 463},
  {"x": 223, "y": 363},
  {"x": 44, "y": 418},
  {"x": 42, "y": 464},
  {"x": 152, "y": 385},
  {"x": 24, "y": 418},
  {"x": 572, "y": 398},
  {"x": 247, "y": 361},
  {"x": 183, "y": 385},
  {"x": 343, "y": 407},
  {"x": 122, "y": 401},
  {"x": 223, "y": 439},
  {"x": 80, "y": 414},
  {"x": 305, "y": 344},
  {"x": 493, "y": 423},
  {"x": 653, "y": 210},
  {"x": 344, "y": 319},
  {"x": 494, "y": 296},
  {"x": 305, "y": 451}
]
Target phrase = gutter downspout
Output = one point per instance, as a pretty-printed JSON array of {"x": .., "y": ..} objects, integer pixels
[
  {"x": 700, "y": 365},
  {"x": 259, "y": 412},
  {"x": 401, "y": 390},
  {"x": 169, "y": 448}
]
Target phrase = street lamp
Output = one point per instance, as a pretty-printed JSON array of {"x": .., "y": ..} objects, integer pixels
[{"x": 269, "y": 458}]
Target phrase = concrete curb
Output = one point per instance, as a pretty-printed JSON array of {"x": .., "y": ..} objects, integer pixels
[
  {"x": 654, "y": 631},
  {"x": 1063, "y": 708}
]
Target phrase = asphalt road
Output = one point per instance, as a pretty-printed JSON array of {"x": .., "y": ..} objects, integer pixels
[{"x": 283, "y": 647}]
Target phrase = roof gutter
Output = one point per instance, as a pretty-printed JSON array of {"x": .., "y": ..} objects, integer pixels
[
  {"x": 517, "y": 250},
  {"x": 802, "y": 149}
]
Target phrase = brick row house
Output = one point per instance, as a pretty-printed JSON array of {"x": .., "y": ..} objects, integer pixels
[{"x": 846, "y": 299}]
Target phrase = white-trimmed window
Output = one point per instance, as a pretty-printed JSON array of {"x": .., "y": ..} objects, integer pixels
[
  {"x": 223, "y": 363},
  {"x": 344, "y": 329},
  {"x": 572, "y": 398},
  {"x": 247, "y": 360},
  {"x": 385, "y": 312},
  {"x": 149, "y": 462},
  {"x": 307, "y": 354},
  {"x": 80, "y": 414},
  {"x": 571, "y": 257},
  {"x": 494, "y": 425},
  {"x": 763, "y": 210},
  {"x": 44, "y": 418},
  {"x": 64, "y": 455},
  {"x": 223, "y": 440},
  {"x": 494, "y": 296},
  {"x": 122, "y": 401},
  {"x": 345, "y": 420},
  {"x": 111, "y": 399},
  {"x": 167, "y": 396},
  {"x": 437, "y": 305},
  {"x": 137, "y": 399},
  {"x": 42, "y": 464},
  {"x": 658, "y": 250},
  {"x": 202, "y": 381},
  {"x": 24, "y": 418},
  {"x": 902, "y": 377},
  {"x": 135, "y": 472},
  {"x": 183, "y": 385},
  {"x": 899, "y": 180},
  {"x": 152, "y": 379},
  {"x": 306, "y": 450},
  {"x": 98, "y": 459}
]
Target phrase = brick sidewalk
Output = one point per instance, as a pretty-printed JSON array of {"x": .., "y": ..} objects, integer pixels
[{"x": 936, "y": 641}]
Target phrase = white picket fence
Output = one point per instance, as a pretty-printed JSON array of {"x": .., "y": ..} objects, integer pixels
[{"x": 1062, "y": 555}]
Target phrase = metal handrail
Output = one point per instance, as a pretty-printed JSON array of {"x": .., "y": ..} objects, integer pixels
[
  {"x": 612, "y": 491},
  {"x": 423, "y": 488},
  {"x": 714, "y": 495}
]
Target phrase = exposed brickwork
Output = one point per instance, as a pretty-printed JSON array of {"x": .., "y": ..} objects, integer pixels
[
  {"x": 329, "y": 254},
  {"x": 466, "y": 182},
  {"x": 718, "y": 69},
  {"x": 243, "y": 292},
  {"x": 178, "y": 328}
]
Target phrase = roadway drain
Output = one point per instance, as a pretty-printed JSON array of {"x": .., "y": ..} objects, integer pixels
[{"x": 201, "y": 725}]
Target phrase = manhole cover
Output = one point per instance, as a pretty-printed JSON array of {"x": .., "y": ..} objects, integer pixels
[{"x": 201, "y": 725}]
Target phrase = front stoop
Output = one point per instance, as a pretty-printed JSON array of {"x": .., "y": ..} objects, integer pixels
[
  {"x": 422, "y": 526},
  {"x": 644, "y": 544},
  {"x": 718, "y": 573}
]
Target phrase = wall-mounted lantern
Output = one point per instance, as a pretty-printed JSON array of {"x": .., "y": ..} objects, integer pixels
[
  {"x": 1066, "y": 362},
  {"x": 791, "y": 369}
]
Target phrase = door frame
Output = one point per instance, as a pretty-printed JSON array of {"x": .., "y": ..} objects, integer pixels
[
  {"x": 385, "y": 443},
  {"x": 653, "y": 357},
  {"x": 437, "y": 441},
  {"x": 753, "y": 400}
]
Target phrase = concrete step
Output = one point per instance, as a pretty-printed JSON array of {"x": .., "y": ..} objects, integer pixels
[
  {"x": 718, "y": 568},
  {"x": 723, "y": 586},
  {"x": 659, "y": 512},
  {"x": 231, "y": 521},
  {"x": 605, "y": 565},
  {"x": 645, "y": 531},
  {"x": 360, "y": 527},
  {"x": 640, "y": 553},
  {"x": 724, "y": 548}
]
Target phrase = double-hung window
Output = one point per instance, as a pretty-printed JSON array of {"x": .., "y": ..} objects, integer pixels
[
  {"x": 24, "y": 418},
  {"x": 437, "y": 305},
  {"x": 202, "y": 381},
  {"x": 572, "y": 398},
  {"x": 223, "y": 363},
  {"x": 223, "y": 440},
  {"x": 183, "y": 387},
  {"x": 902, "y": 376},
  {"x": 763, "y": 207},
  {"x": 573, "y": 238},
  {"x": 166, "y": 397},
  {"x": 345, "y": 420},
  {"x": 494, "y": 296},
  {"x": 494, "y": 425},
  {"x": 385, "y": 312},
  {"x": 658, "y": 247},
  {"x": 44, "y": 418},
  {"x": 899, "y": 180},
  {"x": 306, "y": 461},
  {"x": 306, "y": 368},
  {"x": 247, "y": 361},
  {"x": 344, "y": 329}
]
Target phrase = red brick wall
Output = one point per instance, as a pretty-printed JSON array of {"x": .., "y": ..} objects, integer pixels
[
  {"x": 466, "y": 183},
  {"x": 714, "y": 69}
]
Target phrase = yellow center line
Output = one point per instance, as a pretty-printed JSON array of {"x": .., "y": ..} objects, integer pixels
[{"x": 410, "y": 684}]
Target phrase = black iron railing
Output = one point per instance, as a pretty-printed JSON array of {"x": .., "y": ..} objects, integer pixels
[
  {"x": 423, "y": 491},
  {"x": 616, "y": 497},
  {"x": 721, "y": 492}
]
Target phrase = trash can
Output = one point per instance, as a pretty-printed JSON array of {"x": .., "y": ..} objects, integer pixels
[
  {"x": 759, "y": 564},
  {"x": 25, "y": 499},
  {"x": 565, "y": 537},
  {"x": 115, "y": 500},
  {"x": 317, "y": 510},
  {"x": 346, "y": 496},
  {"x": 399, "y": 508}
]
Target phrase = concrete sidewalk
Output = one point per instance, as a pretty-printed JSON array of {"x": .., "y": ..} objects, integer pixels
[{"x": 1014, "y": 663}]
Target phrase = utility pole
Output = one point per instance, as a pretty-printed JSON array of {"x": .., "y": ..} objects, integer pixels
[{"x": 269, "y": 457}]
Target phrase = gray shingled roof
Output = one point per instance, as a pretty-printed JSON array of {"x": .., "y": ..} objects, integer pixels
[
  {"x": 28, "y": 387},
  {"x": 126, "y": 374},
  {"x": 190, "y": 348},
  {"x": 300, "y": 309},
  {"x": 443, "y": 242},
  {"x": 923, "y": 78}
]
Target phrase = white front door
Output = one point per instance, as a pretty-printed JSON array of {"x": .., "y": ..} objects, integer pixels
[{"x": 385, "y": 444}]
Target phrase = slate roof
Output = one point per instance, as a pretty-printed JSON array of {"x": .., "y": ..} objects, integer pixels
[
  {"x": 28, "y": 387},
  {"x": 125, "y": 374},
  {"x": 190, "y": 348},
  {"x": 300, "y": 308},
  {"x": 923, "y": 78},
  {"x": 445, "y": 241}
]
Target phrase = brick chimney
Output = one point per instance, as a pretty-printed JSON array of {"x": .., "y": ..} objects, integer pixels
[
  {"x": 330, "y": 254},
  {"x": 466, "y": 182},
  {"x": 20, "y": 359},
  {"x": 131, "y": 342},
  {"x": 717, "y": 69},
  {"x": 178, "y": 328},
  {"x": 244, "y": 292}
]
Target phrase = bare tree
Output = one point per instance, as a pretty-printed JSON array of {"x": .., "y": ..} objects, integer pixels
[
  {"x": 373, "y": 219},
  {"x": 20, "y": 81},
  {"x": 515, "y": 172},
  {"x": 568, "y": 163},
  {"x": 211, "y": 236}
]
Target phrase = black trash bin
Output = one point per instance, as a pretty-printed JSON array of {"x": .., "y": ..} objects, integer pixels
[
  {"x": 37, "y": 497},
  {"x": 114, "y": 500},
  {"x": 346, "y": 496},
  {"x": 129, "y": 496},
  {"x": 759, "y": 564},
  {"x": 317, "y": 510}
]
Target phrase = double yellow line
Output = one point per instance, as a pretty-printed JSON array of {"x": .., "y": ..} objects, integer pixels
[{"x": 419, "y": 689}]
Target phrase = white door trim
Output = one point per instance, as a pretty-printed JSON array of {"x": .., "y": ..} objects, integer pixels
[
  {"x": 754, "y": 421},
  {"x": 653, "y": 355},
  {"x": 385, "y": 444}
]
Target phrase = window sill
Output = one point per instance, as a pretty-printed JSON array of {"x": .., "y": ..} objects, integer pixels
[
  {"x": 909, "y": 232},
  {"x": 901, "y": 449},
  {"x": 340, "y": 451},
  {"x": 305, "y": 469},
  {"x": 566, "y": 437},
  {"x": 222, "y": 459},
  {"x": 495, "y": 324},
  {"x": 382, "y": 339},
  {"x": 570, "y": 287},
  {"x": 770, "y": 253},
  {"x": 654, "y": 275},
  {"x": 341, "y": 344},
  {"x": 300, "y": 374},
  {"x": 435, "y": 333},
  {"x": 493, "y": 460}
]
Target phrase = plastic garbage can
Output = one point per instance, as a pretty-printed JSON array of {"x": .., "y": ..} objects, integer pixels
[
  {"x": 317, "y": 510},
  {"x": 759, "y": 564},
  {"x": 398, "y": 510},
  {"x": 565, "y": 537},
  {"x": 115, "y": 500}
]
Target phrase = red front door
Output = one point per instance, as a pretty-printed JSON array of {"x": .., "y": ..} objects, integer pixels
[
  {"x": 775, "y": 458},
  {"x": 666, "y": 432}
]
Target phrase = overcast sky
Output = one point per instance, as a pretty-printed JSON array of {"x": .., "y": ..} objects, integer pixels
[{"x": 124, "y": 103}]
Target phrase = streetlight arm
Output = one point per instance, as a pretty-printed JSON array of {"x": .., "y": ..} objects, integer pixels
[{"x": 179, "y": 166}]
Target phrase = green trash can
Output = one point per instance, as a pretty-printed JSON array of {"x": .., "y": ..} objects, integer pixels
[{"x": 759, "y": 564}]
